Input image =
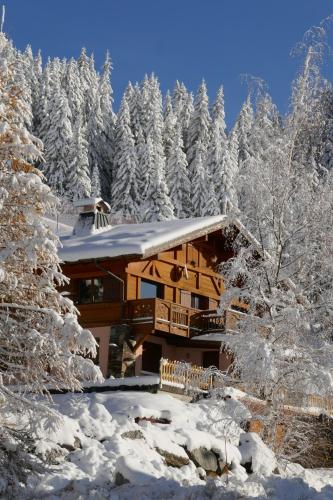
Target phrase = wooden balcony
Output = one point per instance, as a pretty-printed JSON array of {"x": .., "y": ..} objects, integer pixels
[
  {"x": 211, "y": 321},
  {"x": 162, "y": 315},
  {"x": 157, "y": 314}
]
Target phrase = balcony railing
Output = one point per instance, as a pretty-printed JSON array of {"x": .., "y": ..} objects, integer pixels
[
  {"x": 164, "y": 315},
  {"x": 158, "y": 314}
]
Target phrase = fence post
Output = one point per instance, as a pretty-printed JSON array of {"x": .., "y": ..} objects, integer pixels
[{"x": 161, "y": 371}]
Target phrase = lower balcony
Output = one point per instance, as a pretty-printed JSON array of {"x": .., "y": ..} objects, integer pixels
[
  {"x": 162, "y": 315},
  {"x": 159, "y": 315}
]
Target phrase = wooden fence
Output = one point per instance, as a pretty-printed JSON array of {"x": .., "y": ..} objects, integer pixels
[
  {"x": 185, "y": 377},
  {"x": 299, "y": 400}
]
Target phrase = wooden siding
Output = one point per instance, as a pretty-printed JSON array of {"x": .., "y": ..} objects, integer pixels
[{"x": 186, "y": 270}]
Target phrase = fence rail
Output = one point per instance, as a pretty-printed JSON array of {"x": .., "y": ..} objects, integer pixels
[{"x": 187, "y": 377}]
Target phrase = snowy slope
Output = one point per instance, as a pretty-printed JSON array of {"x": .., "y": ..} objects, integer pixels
[
  {"x": 137, "y": 239},
  {"x": 98, "y": 423}
]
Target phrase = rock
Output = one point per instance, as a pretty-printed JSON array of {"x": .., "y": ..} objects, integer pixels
[
  {"x": 172, "y": 460},
  {"x": 153, "y": 420},
  {"x": 120, "y": 479},
  {"x": 132, "y": 435},
  {"x": 203, "y": 458},
  {"x": 55, "y": 456},
  {"x": 201, "y": 473},
  {"x": 72, "y": 447},
  {"x": 222, "y": 468}
]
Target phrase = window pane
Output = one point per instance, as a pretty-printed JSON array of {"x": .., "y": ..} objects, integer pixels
[
  {"x": 150, "y": 290},
  {"x": 97, "y": 290},
  {"x": 85, "y": 292},
  {"x": 199, "y": 301}
]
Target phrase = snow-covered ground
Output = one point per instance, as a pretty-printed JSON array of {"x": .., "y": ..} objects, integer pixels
[{"x": 116, "y": 437}]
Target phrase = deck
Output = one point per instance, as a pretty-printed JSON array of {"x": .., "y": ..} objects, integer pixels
[{"x": 158, "y": 315}]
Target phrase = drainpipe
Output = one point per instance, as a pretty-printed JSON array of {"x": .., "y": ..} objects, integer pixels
[{"x": 114, "y": 276}]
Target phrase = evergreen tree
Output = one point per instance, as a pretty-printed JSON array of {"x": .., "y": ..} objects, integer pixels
[
  {"x": 40, "y": 338},
  {"x": 177, "y": 176},
  {"x": 199, "y": 186},
  {"x": 217, "y": 144},
  {"x": 58, "y": 139},
  {"x": 95, "y": 183},
  {"x": 243, "y": 127},
  {"x": 211, "y": 206},
  {"x": 73, "y": 89},
  {"x": 78, "y": 181},
  {"x": 227, "y": 194},
  {"x": 124, "y": 196},
  {"x": 105, "y": 144},
  {"x": 182, "y": 103},
  {"x": 169, "y": 126},
  {"x": 199, "y": 129}
]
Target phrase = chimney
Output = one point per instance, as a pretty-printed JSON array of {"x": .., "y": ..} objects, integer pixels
[{"x": 93, "y": 216}]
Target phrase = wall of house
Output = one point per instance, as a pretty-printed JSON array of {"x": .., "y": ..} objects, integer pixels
[
  {"x": 102, "y": 335},
  {"x": 189, "y": 354}
]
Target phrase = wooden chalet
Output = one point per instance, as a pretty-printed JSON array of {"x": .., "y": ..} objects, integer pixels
[{"x": 150, "y": 290}]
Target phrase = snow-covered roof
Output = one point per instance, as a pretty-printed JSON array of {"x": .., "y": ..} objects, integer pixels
[{"x": 143, "y": 240}]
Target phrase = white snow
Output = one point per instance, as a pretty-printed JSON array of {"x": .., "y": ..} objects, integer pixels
[
  {"x": 58, "y": 227},
  {"x": 99, "y": 422},
  {"x": 211, "y": 337},
  {"x": 137, "y": 239}
]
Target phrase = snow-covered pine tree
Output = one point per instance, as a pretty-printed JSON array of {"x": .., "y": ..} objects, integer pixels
[
  {"x": 124, "y": 194},
  {"x": 95, "y": 183},
  {"x": 199, "y": 184},
  {"x": 156, "y": 192},
  {"x": 211, "y": 206},
  {"x": 73, "y": 88},
  {"x": 89, "y": 84},
  {"x": 58, "y": 139},
  {"x": 40, "y": 338},
  {"x": 169, "y": 126},
  {"x": 199, "y": 128},
  {"x": 78, "y": 179},
  {"x": 182, "y": 103},
  {"x": 158, "y": 205},
  {"x": 227, "y": 192},
  {"x": 216, "y": 147},
  {"x": 106, "y": 133},
  {"x": 33, "y": 72},
  {"x": 243, "y": 127},
  {"x": 22, "y": 78},
  {"x": 177, "y": 176}
]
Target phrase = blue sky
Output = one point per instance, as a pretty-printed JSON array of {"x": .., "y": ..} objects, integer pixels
[{"x": 177, "y": 39}]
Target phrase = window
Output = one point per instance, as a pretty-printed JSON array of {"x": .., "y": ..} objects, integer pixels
[
  {"x": 199, "y": 301},
  {"x": 106, "y": 289},
  {"x": 90, "y": 290},
  {"x": 151, "y": 290}
]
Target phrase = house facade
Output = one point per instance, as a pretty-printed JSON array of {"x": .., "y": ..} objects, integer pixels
[{"x": 151, "y": 290}]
